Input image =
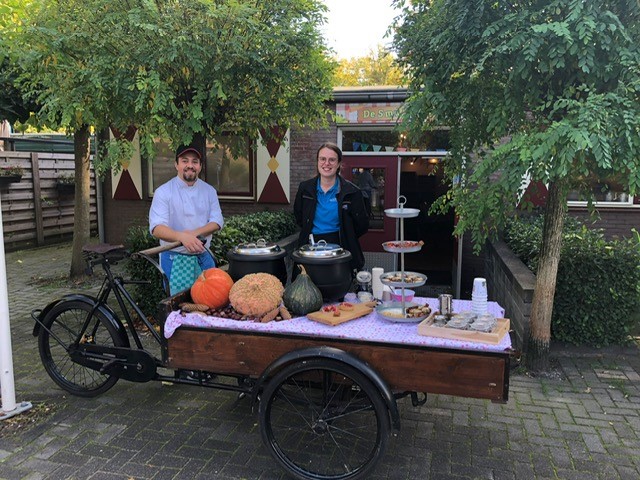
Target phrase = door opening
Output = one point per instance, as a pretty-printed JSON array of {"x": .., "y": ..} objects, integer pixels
[{"x": 421, "y": 183}]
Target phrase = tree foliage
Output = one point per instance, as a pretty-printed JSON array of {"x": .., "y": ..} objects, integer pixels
[
  {"x": 177, "y": 68},
  {"x": 537, "y": 89},
  {"x": 559, "y": 79},
  {"x": 377, "y": 68},
  {"x": 12, "y": 106},
  {"x": 173, "y": 69}
]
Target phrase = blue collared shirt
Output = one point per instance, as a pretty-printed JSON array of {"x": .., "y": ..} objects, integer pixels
[{"x": 326, "y": 218}]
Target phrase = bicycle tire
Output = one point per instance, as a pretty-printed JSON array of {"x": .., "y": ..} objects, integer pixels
[
  {"x": 316, "y": 419},
  {"x": 65, "y": 321}
]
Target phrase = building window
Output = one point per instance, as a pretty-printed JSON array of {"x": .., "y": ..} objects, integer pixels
[
  {"x": 605, "y": 191},
  {"x": 390, "y": 140},
  {"x": 231, "y": 175}
]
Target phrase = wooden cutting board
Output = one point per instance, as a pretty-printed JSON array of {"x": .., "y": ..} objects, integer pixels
[{"x": 328, "y": 318}]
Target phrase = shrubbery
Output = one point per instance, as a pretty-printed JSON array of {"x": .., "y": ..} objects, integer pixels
[
  {"x": 272, "y": 226},
  {"x": 598, "y": 288}
]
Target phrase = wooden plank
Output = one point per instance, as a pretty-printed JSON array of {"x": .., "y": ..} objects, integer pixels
[
  {"x": 35, "y": 170},
  {"x": 494, "y": 337},
  {"x": 344, "y": 314},
  {"x": 405, "y": 368}
]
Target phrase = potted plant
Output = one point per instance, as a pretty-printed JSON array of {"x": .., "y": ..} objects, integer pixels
[
  {"x": 10, "y": 174},
  {"x": 66, "y": 183}
]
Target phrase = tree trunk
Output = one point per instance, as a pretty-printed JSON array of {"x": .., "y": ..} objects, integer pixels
[
  {"x": 537, "y": 359},
  {"x": 81, "y": 211}
]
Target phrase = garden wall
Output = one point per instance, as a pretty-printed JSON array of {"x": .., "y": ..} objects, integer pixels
[{"x": 511, "y": 284}]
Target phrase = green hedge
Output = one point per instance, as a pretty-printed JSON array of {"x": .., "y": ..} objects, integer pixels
[
  {"x": 272, "y": 226},
  {"x": 597, "y": 296}
]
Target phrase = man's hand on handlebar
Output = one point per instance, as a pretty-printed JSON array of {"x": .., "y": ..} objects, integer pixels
[{"x": 193, "y": 243}]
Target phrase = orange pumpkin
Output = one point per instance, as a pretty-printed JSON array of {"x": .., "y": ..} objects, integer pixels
[{"x": 211, "y": 288}]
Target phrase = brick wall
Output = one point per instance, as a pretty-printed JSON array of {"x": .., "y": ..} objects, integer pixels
[
  {"x": 617, "y": 222},
  {"x": 511, "y": 284}
]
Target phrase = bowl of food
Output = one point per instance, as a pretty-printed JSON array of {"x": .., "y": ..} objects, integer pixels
[{"x": 397, "y": 295}]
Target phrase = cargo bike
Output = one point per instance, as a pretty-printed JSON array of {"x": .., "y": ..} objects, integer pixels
[{"x": 327, "y": 403}]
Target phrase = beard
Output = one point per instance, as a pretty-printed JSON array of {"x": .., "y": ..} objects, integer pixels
[{"x": 189, "y": 175}]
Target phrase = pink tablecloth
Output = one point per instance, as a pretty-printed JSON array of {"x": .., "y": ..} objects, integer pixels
[{"x": 371, "y": 328}]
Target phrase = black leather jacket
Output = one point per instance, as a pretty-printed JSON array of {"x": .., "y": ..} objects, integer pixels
[{"x": 354, "y": 221}]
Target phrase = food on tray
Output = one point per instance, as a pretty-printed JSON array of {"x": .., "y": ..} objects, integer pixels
[
  {"x": 329, "y": 308},
  {"x": 346, "y": 306},
  {"x": 418, "y": 311},
  {"x": 408, "y": 277},
  {"x": 393, "y": 313},
  {"x": 403, "y": 244}
]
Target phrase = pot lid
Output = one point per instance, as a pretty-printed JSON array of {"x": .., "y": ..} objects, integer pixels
[
  {"x": 322, "y": 249},
  {"x": 261, "y": 247}
]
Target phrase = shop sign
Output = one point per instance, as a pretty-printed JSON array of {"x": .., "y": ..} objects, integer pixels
[{"x": 366, "y": 113}]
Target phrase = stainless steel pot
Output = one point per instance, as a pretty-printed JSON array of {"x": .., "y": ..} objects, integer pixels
[
  {"x": 257, "y": 257},
  {"x": 328, "y": 265}
]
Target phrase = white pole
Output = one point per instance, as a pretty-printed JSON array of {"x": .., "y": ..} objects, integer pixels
[{"x": 7, "y": 387}]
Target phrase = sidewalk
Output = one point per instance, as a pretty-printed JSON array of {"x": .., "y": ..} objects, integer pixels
[{"x": 582, "y": 424}]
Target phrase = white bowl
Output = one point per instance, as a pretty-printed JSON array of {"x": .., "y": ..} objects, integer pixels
[{"x": 408, "y": 295}]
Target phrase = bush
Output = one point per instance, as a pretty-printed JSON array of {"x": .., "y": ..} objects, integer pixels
[
  {"x": 598, "y": 287},
  {"x": 147, "y": 296},
  {"x": 272, "y": 226}
]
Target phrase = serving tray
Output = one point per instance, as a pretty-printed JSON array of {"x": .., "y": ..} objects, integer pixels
[
  {"x": 397, "y": 246},
  {"x": 396, "y": 307},
  {"x": 328, "y": 318},
  {"x": 385, "y": 279},
  {"x": 493, "y": 337},
  {"x": 402, "y": 212}
]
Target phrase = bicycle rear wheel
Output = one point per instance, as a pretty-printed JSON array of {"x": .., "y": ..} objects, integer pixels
[
  {"x": 322, "y": 419},
  {"x": 65, "y": 321}
]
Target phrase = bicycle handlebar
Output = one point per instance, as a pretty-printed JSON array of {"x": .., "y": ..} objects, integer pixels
[{"x": 159, "y": 249}]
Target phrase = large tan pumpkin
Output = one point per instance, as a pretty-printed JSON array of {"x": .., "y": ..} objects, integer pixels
[
  {"x": 212, "y": 287},
  {"x": 256, "y": 294}
]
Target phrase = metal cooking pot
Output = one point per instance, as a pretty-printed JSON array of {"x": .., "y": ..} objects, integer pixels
[
  {"x": 258, "y": 257},
  {"x": 328, "y": 265}
]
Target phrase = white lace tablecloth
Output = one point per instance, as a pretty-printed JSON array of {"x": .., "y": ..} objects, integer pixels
[{"x": 371, "y": 328}]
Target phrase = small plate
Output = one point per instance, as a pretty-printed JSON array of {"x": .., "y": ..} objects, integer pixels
[
  {"x": 420, "y": 278},
  {"x": 393, "y": 247},
  {"x": 402, "y": 212}
]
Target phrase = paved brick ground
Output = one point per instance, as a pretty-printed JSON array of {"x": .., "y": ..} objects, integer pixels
[{"x": 583, "y": 425}]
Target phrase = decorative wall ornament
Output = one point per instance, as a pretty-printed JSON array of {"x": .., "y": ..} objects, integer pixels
[{"x": 272, "y": 171}]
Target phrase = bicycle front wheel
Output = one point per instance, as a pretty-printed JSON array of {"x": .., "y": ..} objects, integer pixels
[
  {"x": 64, "y": 323},
  {"x": 322, "y": 419}
]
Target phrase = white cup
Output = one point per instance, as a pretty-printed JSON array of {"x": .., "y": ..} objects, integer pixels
[
  {"x": 480, "y": 287},
  {"x": 365, "y": 297},
  {"x": 376, "y": 284}
]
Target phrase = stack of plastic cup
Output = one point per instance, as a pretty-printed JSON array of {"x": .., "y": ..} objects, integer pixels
[{"x": 479, "y": 296}]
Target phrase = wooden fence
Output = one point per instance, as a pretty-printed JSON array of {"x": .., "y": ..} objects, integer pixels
[{"x": 38, "y": 210}]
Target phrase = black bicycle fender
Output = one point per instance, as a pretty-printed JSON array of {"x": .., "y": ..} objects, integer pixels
[
  {"x": 106, "y": 310},
  {"x": 333, "y": 354}
]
